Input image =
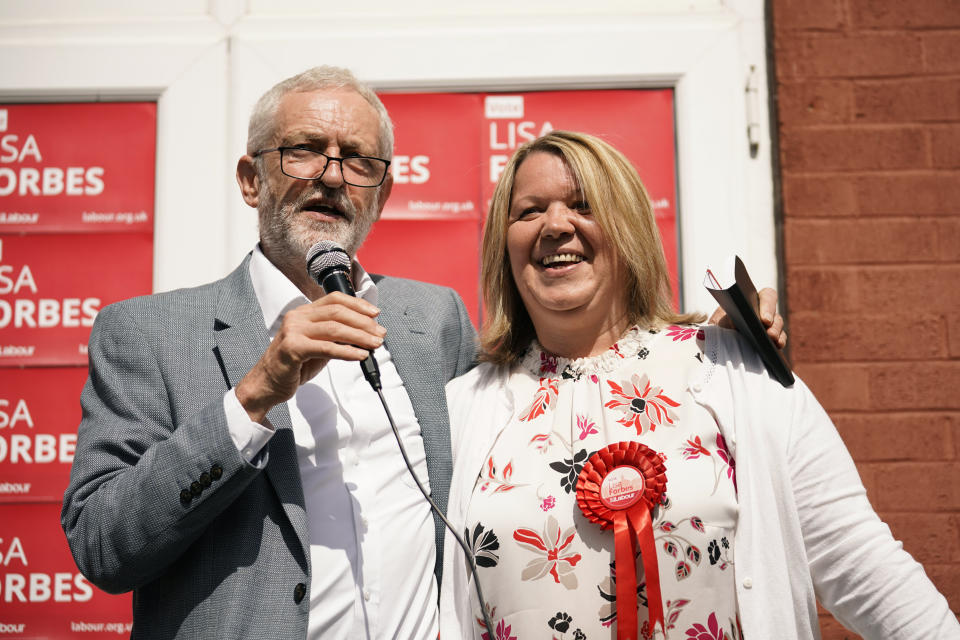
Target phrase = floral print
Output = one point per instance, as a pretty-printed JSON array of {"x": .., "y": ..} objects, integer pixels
[
  {"x": 546, "y": 394},
  {"x": 484, "y": 545},
  {"x": 644, "y": 406},
  {"x": 586, "y": 426},
  {"x": 554, "y": 554},
  {"x": 694, "y": 449},
  {"x": 503, "y": 632},
  {"x": 684, "y": 333},
  {"x": 554, "y": 576},
  {"x": 570, "y": 468},
  {"x": 711, "y": 631}
]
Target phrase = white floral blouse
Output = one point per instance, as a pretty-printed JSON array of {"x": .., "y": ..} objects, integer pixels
[{"x": 547, "y": 571}]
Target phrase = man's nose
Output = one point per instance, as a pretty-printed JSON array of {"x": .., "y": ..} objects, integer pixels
[{"x": 333, "y": 174}]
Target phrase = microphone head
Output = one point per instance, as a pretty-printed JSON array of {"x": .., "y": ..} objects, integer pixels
[{"x": 325, "y": 257}]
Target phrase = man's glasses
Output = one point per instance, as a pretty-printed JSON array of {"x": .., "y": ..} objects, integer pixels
[{"x": 307, "y": 164}]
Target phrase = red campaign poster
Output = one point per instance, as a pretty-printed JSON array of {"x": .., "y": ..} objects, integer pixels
[
  {"x": 445, "y": 252},
  {"x": 39, "y": 414},
  {"x": 451, "y": 149},
  {"x": 42, "y": 594},
  {"x": 52, "y": 286},
  {"x": 430, "y": 228},
  {"x": 436, "y": 164},
  {"x": 77, "y": 167}
]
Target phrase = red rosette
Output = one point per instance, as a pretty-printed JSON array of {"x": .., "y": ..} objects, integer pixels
[{"x": 617, "y": 488}]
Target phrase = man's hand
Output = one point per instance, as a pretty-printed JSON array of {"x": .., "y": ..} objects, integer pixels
[
  {"x": 333, "y": 326},
  {"x": 768, "y": 314}
]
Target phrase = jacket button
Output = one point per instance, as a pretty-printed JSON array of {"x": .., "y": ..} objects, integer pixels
[
  {"x": 299, "y": 591},
  {"x": 195, "y": 488},
  {"x": 216, "y": 472},
  {"x": 186, "y": 496},
  {"x": 205, "y": 480}
]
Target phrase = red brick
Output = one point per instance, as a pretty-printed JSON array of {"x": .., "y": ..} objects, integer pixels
[
  {"x": 948, "y": 233},
  {"x": 919, "y": 289},
  {"x": 853, "y": 148},
  {"x": 818, "y": 196},
  {"x": 794, "y": 15},
  {"x": 896, "y": 14},
  {"x": 830, "y": 629},
  {"x": 945, "y": 145},
  {"x": 914, "y": 289},
  {"x": 908, "y": 100},
  {"x": 917, "y": 486},
  {"x": 920, "y": 192},
  {"x": 819, "y": 337},
  {"x": 887, "y": 437},
  {"x": 860, "y": 241},
  {"x": 838, "y": 387},
  {"x": 823, "y": 289},
  {"x": 930, "y": 538},
  {"x": 953, "y": 335},
  {"x": 848, "y": 56},
  {"x": 819, "y": 102},
  {"x": 941, "y": 51},
  {"x": 914, "y": 385},
  {"x": 946, "y": 577}
]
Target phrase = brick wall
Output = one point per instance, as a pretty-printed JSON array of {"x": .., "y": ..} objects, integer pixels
[{"x": 869, "y": 130}]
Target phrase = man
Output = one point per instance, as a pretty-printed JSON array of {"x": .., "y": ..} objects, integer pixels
[
  {"x": 233, "y": 499},
  {"x": 233, "y": 468}
]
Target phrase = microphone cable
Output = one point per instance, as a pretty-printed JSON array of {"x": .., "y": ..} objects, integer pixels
[
  {"x": 491, "y": 632},
  {"x": 329, "y": 266}
]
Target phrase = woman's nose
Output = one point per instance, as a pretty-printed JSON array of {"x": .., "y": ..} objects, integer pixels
[{"x": 558, "y": 220}]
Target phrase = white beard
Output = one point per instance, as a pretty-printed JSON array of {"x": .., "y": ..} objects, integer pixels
[{"x": 285, "y": 231}]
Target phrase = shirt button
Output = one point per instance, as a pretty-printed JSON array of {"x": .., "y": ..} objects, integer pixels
[
  {"x": 364, "y": 521},
  {"x": 366, "y": 594},
  {"x": 298, "y": 592},
  {"x": 697, "y": 388},
  {"x": 748, "y": 583},
  {"x": 248, "y": 453}
]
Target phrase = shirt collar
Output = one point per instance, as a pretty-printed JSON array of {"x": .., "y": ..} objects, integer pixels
[{"x": 277, "y": 294}]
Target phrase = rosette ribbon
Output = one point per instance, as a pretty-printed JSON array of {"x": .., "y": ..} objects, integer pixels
[{"x": 618, "y": 488}]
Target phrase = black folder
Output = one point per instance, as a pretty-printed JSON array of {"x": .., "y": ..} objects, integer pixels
[{"x": 734, "y": 291}]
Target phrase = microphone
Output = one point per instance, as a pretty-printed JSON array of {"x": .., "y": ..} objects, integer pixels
[{"x": 329, "y": 266}]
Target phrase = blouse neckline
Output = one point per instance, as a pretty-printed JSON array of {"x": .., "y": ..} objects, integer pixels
[{"x": 539, "y": 362}]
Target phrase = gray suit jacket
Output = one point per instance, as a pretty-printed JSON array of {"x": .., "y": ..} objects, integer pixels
[{"x": 231, "y": 561}]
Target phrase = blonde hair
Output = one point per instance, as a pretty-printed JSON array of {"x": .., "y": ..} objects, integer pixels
[{"x": 622, "y": 208}]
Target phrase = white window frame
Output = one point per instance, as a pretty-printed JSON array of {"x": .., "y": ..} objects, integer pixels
[{"x": 206, "y": 67}]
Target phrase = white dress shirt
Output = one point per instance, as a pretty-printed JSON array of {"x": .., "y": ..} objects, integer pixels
[{"x": 372, "y": 547}]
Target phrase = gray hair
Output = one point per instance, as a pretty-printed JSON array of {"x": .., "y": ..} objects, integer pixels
[{"x": 262, "y": 120}]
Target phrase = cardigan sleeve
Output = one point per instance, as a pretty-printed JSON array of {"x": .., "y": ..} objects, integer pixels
[{"x": 861, "y": 573}]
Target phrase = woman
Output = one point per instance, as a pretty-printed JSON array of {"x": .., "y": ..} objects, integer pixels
[{"x": 752, "y": 502}]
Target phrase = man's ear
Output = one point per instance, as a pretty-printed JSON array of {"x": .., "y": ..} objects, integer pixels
[
  {"x": 249, "y": 181},
  {"x": 385, "y": 190}
]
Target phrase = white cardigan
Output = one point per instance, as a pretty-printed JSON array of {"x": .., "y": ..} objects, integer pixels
[{"x": 806, "y": 530}]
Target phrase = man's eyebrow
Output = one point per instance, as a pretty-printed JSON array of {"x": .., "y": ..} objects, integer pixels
[{"x": 349, "y": 144}]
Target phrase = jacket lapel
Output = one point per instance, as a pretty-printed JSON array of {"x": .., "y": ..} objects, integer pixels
[
  {"x": 416, "y": 355},
  {"x": 241, "y": 338}
]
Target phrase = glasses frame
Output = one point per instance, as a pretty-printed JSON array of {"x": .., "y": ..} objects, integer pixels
[{"x": 386, "y": 165}]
